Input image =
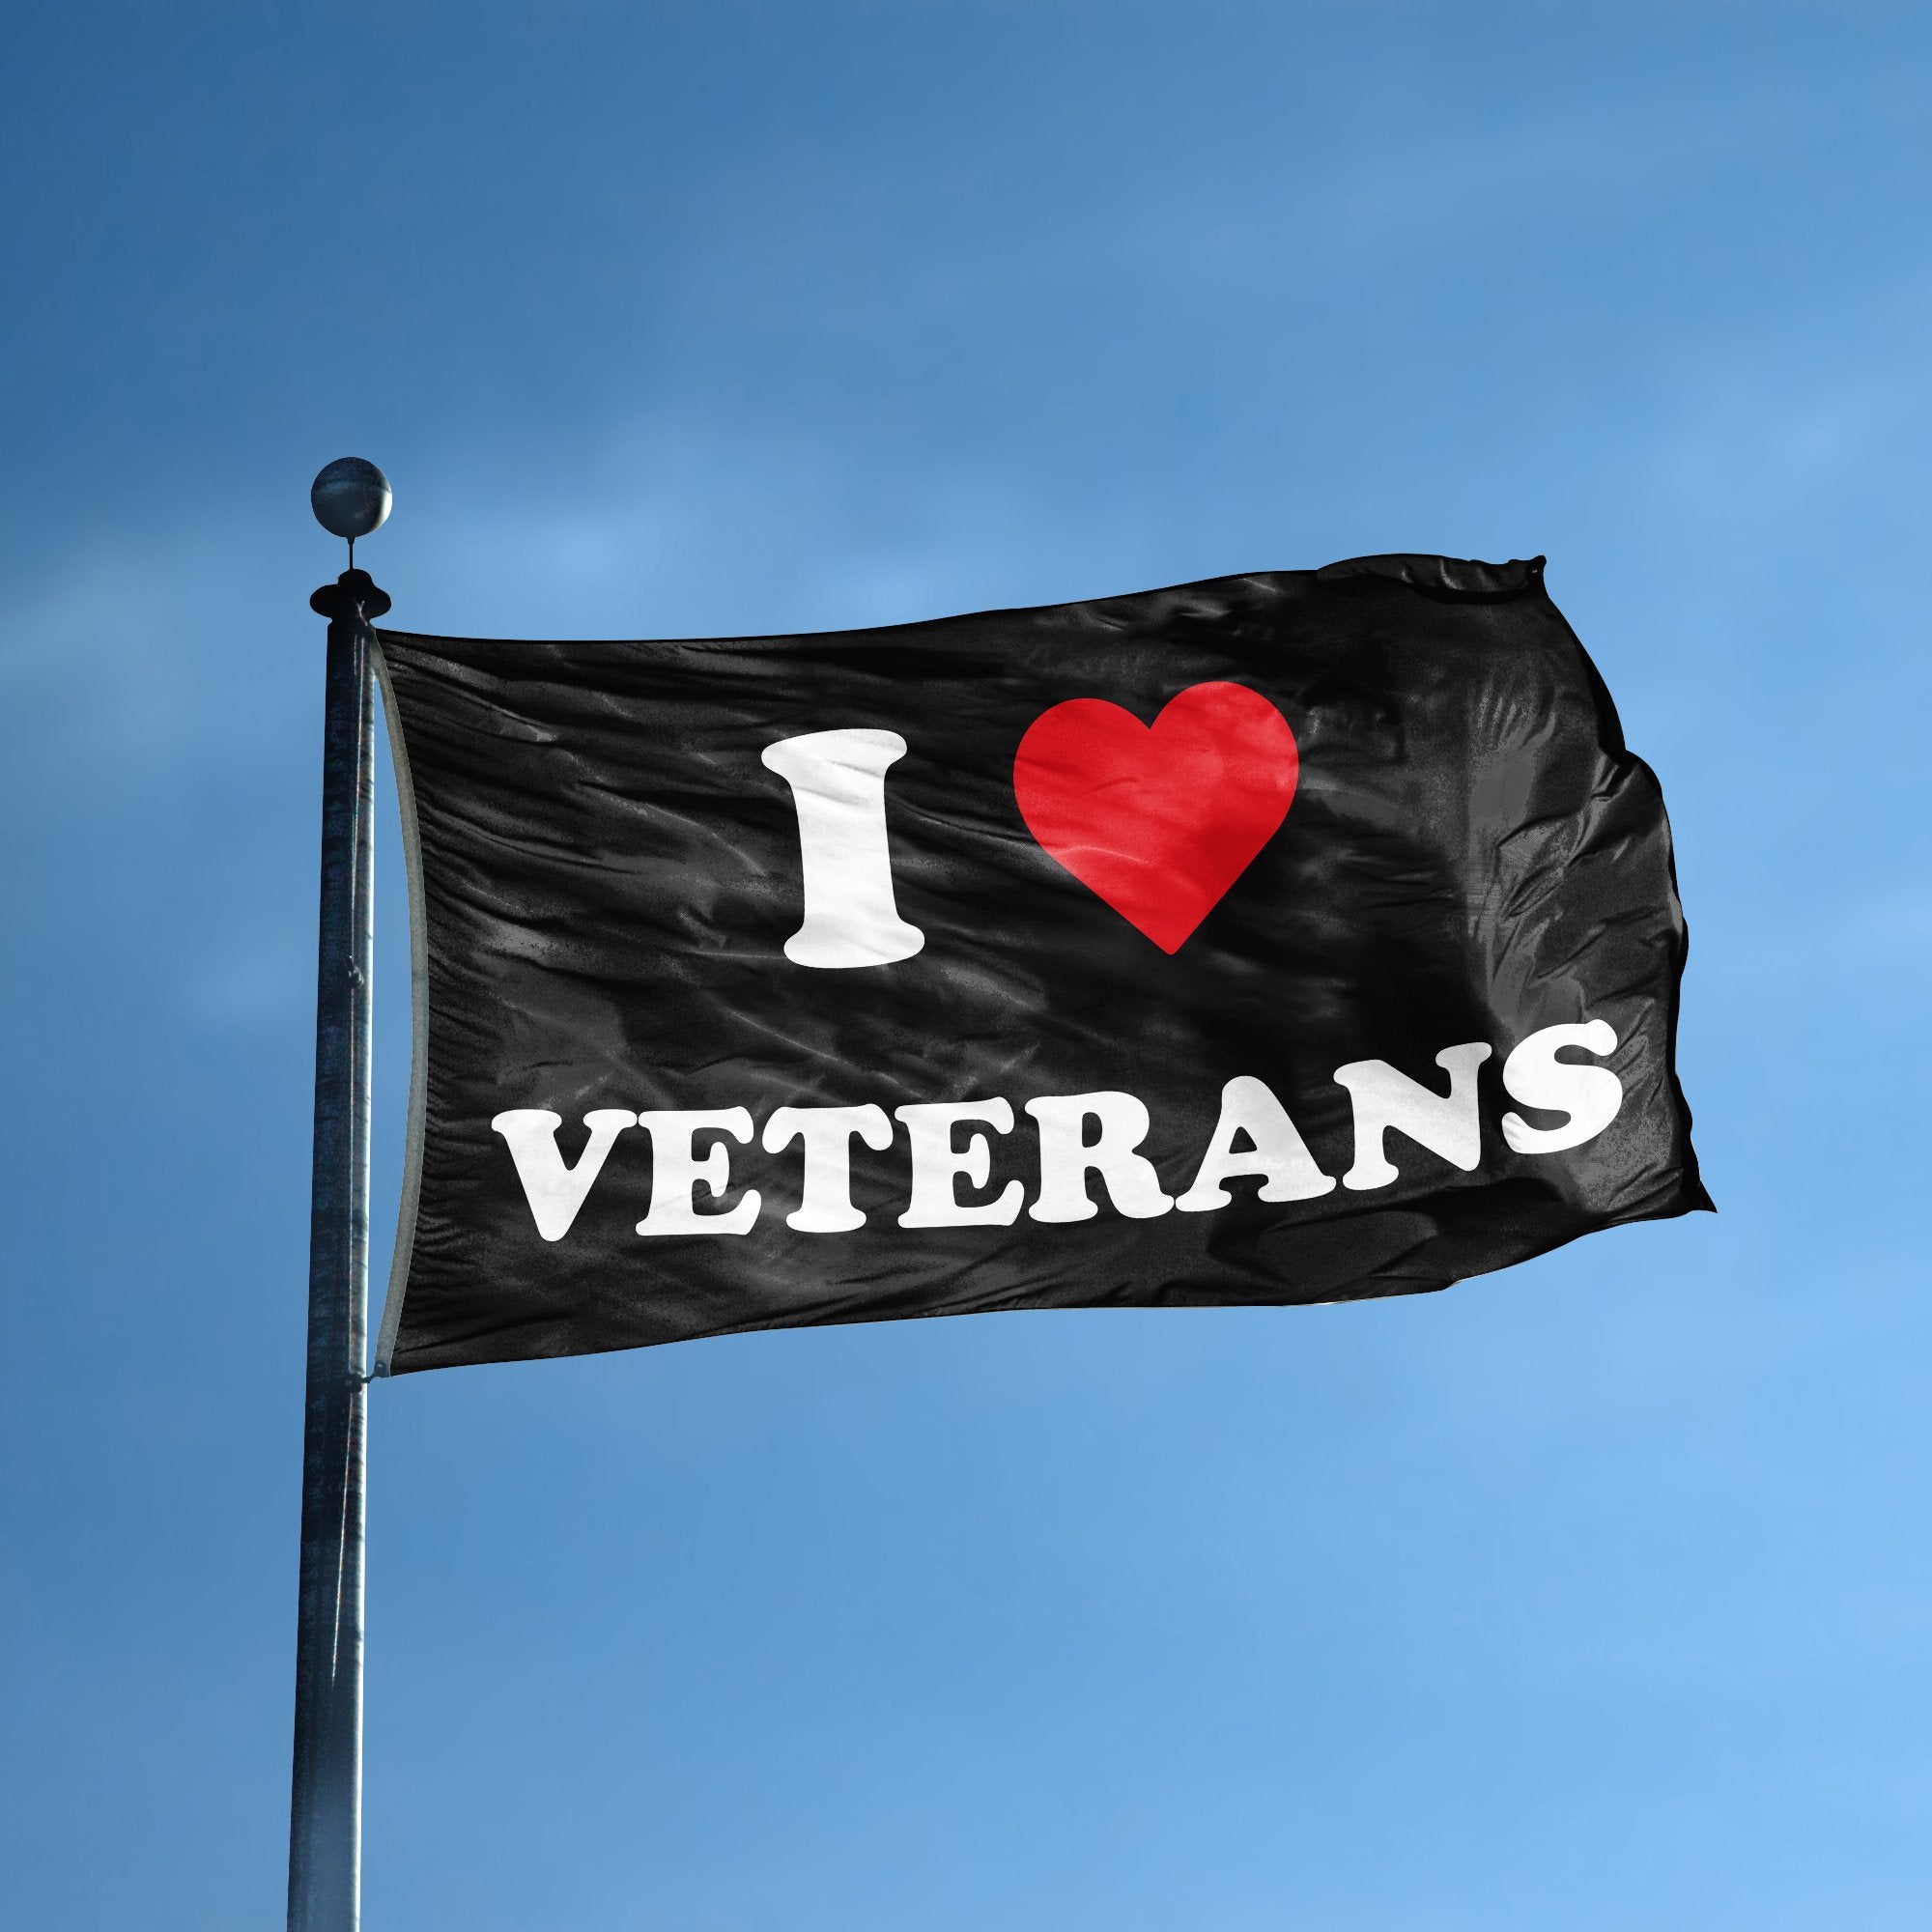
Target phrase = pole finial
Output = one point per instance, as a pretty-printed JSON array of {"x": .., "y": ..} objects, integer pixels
[{"x": 349, "y": 498}]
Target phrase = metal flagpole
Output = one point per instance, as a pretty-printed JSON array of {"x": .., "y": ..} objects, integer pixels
[{"x": 351, "y": 498}]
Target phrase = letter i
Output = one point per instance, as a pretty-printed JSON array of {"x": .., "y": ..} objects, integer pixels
[{"x": 838, "y": 782}]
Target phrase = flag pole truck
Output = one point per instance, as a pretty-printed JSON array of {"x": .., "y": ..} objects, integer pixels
[{"x": 350, "y": 497}]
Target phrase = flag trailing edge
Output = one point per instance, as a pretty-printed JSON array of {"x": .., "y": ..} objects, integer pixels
[{"x": 1290, "y": 937}]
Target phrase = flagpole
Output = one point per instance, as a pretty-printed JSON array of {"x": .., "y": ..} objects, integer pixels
[{"x": 325, "y": 1810}]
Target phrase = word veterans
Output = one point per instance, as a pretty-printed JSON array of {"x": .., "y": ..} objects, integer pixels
[{"x": 1079, "y": 1135}]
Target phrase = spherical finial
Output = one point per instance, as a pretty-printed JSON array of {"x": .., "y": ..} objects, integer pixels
[{"x": 349, "y": 498}]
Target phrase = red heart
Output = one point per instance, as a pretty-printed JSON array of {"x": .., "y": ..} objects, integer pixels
[{"x": 1158, "y": 820}]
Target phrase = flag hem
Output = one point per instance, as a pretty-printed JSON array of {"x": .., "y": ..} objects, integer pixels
[{"x": 413, "y": 1147}]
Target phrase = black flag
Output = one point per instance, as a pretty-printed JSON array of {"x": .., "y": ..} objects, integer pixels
[{"x": 1286, "y": 937}]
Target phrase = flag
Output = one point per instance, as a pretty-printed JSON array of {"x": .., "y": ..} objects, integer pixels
[{"x": 1294, "y": 937}]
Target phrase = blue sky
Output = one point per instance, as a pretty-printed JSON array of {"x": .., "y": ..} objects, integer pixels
[{"x": 1592, "y": 1595}]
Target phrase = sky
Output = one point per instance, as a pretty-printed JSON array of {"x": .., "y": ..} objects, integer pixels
[{"x": 1594, "y": 1594}]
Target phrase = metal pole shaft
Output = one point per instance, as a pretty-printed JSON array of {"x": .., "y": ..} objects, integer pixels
[{"x": 325, "y": 1824}]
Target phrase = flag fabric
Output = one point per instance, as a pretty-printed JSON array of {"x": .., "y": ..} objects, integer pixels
[{"x": 1294, "y": 937}]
